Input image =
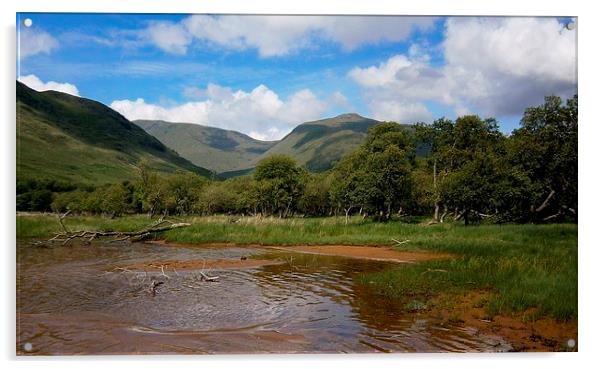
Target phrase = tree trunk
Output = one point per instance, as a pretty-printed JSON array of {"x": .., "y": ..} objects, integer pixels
[
  {"x": 347, "y": 215},
  {"x": 436, "y": 212},
  {"x": 443, "y": 215},
  {"x": 545, "y": 202}
]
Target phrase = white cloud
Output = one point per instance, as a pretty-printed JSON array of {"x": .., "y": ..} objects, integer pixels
[
  {"x": 511, "y": 63},
  {"x": 499, "y": 66},
  {"x": 280, "y": 35},
  {"x": 338, "y": 99},
  {"x": 260, "y": 112},
  {"x": 271, "y": 134},
  {"x": 34, "y": 82},
  {"x": 34, "y": 41},
  {"x": 404, "y": 112},
  {"x": 193, "y": 92},
  {"x": 171, "y": 37}
]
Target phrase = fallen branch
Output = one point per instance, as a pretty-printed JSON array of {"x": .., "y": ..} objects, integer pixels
[
  {"x": 153, "y": 287},
  {"x": 61, "y": 220},
  {"x": 205, "y": 277},
  {"x": 400, "y": 242},
  {"x": 163, "y": 272},
  {"x": 114, "y": 236}
]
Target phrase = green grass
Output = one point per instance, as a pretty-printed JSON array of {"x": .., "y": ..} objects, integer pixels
[
  {"x": 45, "y": 226},
  {"x": 524, "y": 266}
]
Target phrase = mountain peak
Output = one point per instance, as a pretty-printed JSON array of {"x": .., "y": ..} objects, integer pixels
[{"x": 349, "y": 116}]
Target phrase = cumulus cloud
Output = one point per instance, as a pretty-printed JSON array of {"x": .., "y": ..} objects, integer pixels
[
  {"x": 271, "y": 134},
  {"x": 282, "y": 35},
  {"x": 35, "y": 83},
  {"x": 407, "y": 112},
  {"x": 34, "y": 41},
  {"x": 259, "y": 112},
  {"x": 497, "y": 65},
  {"x": 513, "y": 62},
  {"x": 338, "y": 99},
  {"x": 171, "y": 37}
]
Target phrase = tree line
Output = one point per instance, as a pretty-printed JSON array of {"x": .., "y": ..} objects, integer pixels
[{"x": 472, "y": 172}]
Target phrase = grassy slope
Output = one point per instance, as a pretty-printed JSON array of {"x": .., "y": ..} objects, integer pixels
[
  {"x": 217, "y": 149},
  {"x": 318, "y": 144},
  {"x": 60, "y": 136},
  {"x": 525, "y": 266}
]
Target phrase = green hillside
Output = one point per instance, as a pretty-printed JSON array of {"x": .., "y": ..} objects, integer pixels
[
  {"x": 64, "y": 137},
  {"x": 319, "y": 144},
  {"x": 214, "y": 148}
]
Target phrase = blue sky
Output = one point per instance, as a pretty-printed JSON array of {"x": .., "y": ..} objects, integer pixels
[{"x": 262, "y": 75}]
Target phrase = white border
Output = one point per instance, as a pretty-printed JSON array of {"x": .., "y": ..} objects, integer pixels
[{"x": 589, "y": 140}]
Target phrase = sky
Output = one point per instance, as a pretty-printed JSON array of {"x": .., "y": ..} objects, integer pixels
[{"x": 264, "y": 75}]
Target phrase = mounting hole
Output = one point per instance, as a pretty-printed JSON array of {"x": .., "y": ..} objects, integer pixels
[
  {"x": 27, "y": 346},
  {"x": 27, "y": 22},
  {"x": 570, "y": 343}
]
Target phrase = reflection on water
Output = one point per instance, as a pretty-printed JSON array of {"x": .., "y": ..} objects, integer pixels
[{"x": 76, "y": 300}]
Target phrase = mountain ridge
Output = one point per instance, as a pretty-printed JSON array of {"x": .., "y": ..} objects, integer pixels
[
  {"x": 215, "y": 148},
  {"x": 61, "y": 136},
  {"x": 317, "y": 144}
]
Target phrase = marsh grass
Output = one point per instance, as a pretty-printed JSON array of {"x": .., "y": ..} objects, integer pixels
[{"x": 526, "y": 267}]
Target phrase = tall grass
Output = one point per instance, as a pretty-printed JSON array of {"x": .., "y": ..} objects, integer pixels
[{"x": 526, "y": 267}]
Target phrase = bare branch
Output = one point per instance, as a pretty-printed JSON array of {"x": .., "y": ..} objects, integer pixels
[
  {"x": 66, "y": 237},
  {"x": 545, "y": 203}
]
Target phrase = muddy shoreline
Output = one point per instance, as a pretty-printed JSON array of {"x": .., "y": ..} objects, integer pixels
[{"x": 376, "y": 253}]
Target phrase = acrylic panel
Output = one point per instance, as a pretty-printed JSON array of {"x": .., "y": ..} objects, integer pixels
[{"x": 227, "y": 184}]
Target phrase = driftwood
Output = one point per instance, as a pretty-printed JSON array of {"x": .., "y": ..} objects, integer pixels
[
  {"x": 153, "y": 287},
  {"x": 113, "y": 236},
  {"x": 206, "y": 278}
]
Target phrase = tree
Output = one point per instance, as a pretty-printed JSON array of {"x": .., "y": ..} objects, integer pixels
[
  {"x": 114, "y": 200},
  {"x": 150, "y": 191},
  {"x": 315, "y": 200},
  {"x": 40, "y": 200},
  {"x": 282, "y": 181},
  {"x": 349, "y": 189},
  {"x": 545, "y": 149},
  {"x": 376, "y": 177},
  {"x": 182, "y": 192},
  {"x": 464, "y": 157}
]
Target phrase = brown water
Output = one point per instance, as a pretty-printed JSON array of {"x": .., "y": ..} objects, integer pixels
[{"x": 72, "y": 300}]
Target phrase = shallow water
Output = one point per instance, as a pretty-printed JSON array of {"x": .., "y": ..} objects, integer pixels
[{"x": 73, "y": 300}]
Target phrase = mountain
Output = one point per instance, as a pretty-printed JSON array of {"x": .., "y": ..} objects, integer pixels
[
  {"x": 60, "y": 136},
  {"x": 319, "y": 144},
  {"x": 213, "y": 148}
]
